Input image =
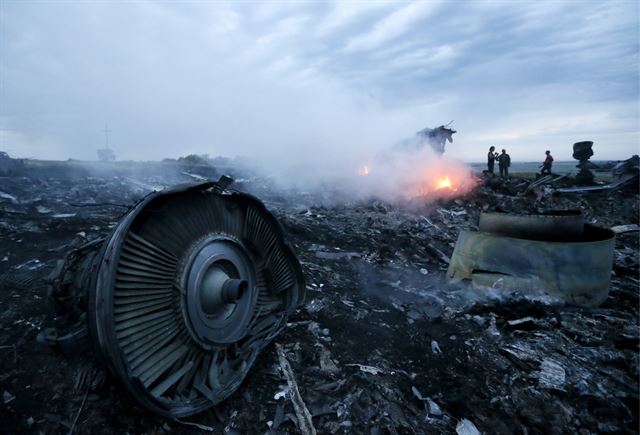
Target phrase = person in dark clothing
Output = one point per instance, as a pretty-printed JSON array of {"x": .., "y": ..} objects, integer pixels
[
  {"x": 546, "y": 165},
  {"x": 504, "y": 161},
  {"x": 491, "y": 158}
]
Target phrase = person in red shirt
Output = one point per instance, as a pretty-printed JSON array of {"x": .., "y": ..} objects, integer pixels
[{"x": 546, "y": 165}]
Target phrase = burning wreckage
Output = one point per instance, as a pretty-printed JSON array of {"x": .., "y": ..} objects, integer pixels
[
  {"x": 435, "y": 138},
  {"x": 482, "y": 311}
]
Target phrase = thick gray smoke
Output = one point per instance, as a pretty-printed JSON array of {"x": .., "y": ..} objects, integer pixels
[{"x": 402, "y": 170}]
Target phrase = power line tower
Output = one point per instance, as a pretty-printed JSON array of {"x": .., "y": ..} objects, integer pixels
[
  {"x": 106, "y": 136},
  {"x": 106, "y": 154}
]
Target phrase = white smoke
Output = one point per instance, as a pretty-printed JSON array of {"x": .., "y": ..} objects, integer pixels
[{"x": 399, "y": 172}]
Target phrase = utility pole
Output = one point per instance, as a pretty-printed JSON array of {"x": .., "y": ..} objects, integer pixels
[
  {"x": 105, "y": 154},
  {"x": 106, "y": 136}
]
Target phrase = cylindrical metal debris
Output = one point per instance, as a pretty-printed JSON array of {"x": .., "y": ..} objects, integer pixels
[{"x": 576, "y": 272}]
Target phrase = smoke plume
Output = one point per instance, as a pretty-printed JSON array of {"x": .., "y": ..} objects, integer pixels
[{"x": 395, "y": 173}]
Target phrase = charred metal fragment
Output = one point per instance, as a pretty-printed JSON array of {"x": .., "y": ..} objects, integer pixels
[
  {"x": 555, "y": 253},
  {"x": 181, "y": 297},
  {"x": 582, "y": 152},
  {"x": 558, "y": 225}
]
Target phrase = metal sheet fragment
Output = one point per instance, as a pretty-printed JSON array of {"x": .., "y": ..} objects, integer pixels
[{"x": 575, "y": 272}]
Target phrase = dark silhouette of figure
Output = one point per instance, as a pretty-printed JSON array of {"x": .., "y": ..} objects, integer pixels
[
  {"x": 491, "y": 159},
  {"x": 546, "y": 165},
  {"x": 504, "y": 161}
]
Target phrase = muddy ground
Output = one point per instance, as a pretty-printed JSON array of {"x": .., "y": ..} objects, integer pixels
[{"x": 382, "y": 345}]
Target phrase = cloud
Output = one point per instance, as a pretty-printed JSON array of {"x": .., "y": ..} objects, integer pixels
[
  {"x": 393, "y": 26},
  {"x": 345, "y": 13},
  {"x": 291, "y": 82}
]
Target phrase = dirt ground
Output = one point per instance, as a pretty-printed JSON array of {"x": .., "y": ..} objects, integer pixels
[{"x": 383, "y": 343}]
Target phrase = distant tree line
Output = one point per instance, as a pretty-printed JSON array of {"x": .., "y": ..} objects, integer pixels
[{"x": 200, "y": 160}]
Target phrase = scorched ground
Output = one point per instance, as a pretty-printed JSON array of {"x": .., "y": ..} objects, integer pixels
[{"x": 383, "y": 344}]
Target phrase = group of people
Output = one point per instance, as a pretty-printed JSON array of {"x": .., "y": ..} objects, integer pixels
[{"x": 504, "y": 161}]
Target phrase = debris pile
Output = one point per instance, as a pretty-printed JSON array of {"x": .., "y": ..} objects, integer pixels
[
  {"x": 9, "y": 166},
  {"x": 384, "y": 344},
  {"x": 629, "y": 167}
]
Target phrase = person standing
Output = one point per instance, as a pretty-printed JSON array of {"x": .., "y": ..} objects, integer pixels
[
  {"x": 504, "y": 161},
  {"x": 491, "y": 159},
  {"x": 546, "y": 165}
]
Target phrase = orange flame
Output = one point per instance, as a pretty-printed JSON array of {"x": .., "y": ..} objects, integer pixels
[
  {"x": 444, "y": 183},
  {"x": 419, "y": 175},
  {"x": 449, "y": 185}
]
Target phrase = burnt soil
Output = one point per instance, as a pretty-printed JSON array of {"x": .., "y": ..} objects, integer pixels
[{"x": 383, "y": 343}]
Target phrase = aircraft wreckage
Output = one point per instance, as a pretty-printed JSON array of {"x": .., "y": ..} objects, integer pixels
[
  {"x": 555, "y": 252},
  {"x": 183, "y": 294},
  {"x": 382, "y": 344}
]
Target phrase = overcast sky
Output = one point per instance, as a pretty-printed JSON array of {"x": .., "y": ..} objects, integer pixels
[{"x": 295, "y": 80}]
